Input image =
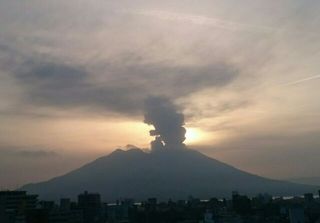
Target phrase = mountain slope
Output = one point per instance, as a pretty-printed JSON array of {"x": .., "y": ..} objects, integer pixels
[
  {"x": 163, "y": 174},
  {"x": 306, "y": 180}
]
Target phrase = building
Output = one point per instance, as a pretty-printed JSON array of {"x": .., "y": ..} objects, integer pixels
[
  {"x": 296, "y": 215},
  {"x": 90, "y": 203},
  {"x": 14, "y": 205},
  {"x": 65, "y": 204},
  {"x": 208, "y": 217},
  {"x": 17, "y": 200},
  {"x": 308, "y": 197},
  {"x": 241, "y": 204}
]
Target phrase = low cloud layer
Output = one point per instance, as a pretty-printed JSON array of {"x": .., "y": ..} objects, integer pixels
[
  {"x": 28, "y": 153},
  {"x": 37, "y": 153}
]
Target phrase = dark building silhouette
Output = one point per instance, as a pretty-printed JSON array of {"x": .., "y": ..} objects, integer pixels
[
  {"x": 17, "y": 200},
  {"x": 37, "y": 216},
  {"x": 241, "y": 203},
  {"x": 49, "y": 212},
  {"x": 47, "y": 205},
  {"x": 120, "y": 212},
  {"x": 65, "y": 204},
  {"x": 296, "y": 215},
  {"x": 90, "y": 203},
  {"x": 18, "y": 207},
  {"x": 308, "y": 197},
  {"x": 14, "y": 205}
]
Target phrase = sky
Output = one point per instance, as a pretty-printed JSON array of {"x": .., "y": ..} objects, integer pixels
[{"x": 74, "y": 77}]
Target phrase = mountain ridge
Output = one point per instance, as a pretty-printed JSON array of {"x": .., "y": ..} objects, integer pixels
[{"x": 167, "y": 173}]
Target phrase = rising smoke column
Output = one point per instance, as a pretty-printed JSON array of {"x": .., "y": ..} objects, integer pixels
[{"x": 167, "y": 121}]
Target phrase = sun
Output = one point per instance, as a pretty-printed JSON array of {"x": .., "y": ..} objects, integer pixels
[{"x": 193, "y": 135}]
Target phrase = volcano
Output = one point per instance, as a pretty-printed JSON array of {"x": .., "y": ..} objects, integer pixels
[
  {"x": 169, "y": 170},
  {"x": 165, "y": 174}
]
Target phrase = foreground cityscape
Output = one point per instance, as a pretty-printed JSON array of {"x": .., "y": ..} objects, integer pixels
[{"x": 20, "y": 207}]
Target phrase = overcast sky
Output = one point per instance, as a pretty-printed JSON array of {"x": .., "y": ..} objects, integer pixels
[{"x": 74, "y": 75}]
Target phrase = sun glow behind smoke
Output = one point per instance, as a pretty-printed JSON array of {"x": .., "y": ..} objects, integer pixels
[{"x": 194, "y": 135}]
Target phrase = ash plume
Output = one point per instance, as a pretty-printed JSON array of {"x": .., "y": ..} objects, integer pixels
[{"x": 167, "y": 121}]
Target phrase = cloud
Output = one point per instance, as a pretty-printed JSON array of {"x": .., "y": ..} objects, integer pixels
[
  {"x": 28, "y": 153},
  {"x": 167, "y": 121},
  {"x": 70, "y": 86},
  {"x": 36, "y": 153},
  {"x": 302, "y": 80},
  {"x": 201, "y": 20}
]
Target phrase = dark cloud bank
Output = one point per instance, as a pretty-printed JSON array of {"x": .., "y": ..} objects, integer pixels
[{"x": 124, "y": 87}]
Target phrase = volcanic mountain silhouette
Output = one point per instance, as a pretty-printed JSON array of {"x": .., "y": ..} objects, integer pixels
[
  {"x": 167, "y": 173},
  {"x": 169, "y": 170}
]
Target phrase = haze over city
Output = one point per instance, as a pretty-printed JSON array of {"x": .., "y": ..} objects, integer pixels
[{"x": 76, "y": 77}]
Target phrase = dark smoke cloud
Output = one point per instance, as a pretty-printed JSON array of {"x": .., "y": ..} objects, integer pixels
[
  {"x": 167, "y": 121},
  {"x": 62, "y": 86}
]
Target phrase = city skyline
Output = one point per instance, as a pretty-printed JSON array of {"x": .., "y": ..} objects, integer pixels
[{"x": 89, "y": 207}]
